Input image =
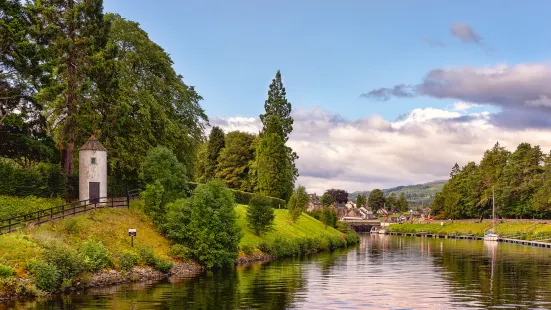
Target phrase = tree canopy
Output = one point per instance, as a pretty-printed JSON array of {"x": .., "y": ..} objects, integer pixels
[
  {"x": 340, "y": 195},
  {"x": 376, "y": 200}
]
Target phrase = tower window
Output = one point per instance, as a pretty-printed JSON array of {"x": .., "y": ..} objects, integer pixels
[{"x": 93, "y": 160}]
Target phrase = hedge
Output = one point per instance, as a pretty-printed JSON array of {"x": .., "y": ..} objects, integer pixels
[
  {"x": 243, "y": 198},
  {"x": 43, "y": 180}
]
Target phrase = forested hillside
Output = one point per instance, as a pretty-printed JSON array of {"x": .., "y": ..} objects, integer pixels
[{"x": 416, "y": 195}]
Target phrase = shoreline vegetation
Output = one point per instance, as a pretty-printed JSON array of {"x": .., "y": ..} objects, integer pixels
[
  {"x": 520, "y": 229},
  {"x": 102, "y": 235}
]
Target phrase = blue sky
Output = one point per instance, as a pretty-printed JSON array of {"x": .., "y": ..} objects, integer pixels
[
  {"x": 462, "y": 74},
  {"x": 330, "y": 52}
]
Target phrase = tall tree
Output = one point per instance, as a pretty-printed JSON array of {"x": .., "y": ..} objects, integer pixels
[
  {"x": 73, "y": 34},
  {"x": 273, "y": 168},
  {"x": 361, "y": 200},
  {"x": 214, "y": 147},
  {"x": 392, "y": 201},
  {"x": 234, "y": 161},
  {"x": 401, "y": 203},
  {"x": 376, "y": 200},
  {"x": 455, "y": 170},
  {"x": 340, "y": 195},
  {"x": 277, "y": 119},
  {"x": 298, "y": 203},
  {"x": 278, "y": 106},
  {"x": 148, "y": 105}
]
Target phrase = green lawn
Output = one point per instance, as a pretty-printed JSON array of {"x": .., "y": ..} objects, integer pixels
[
  {"x": 107, "y": 225},
  {"x": 305, "y": 226},
  {"x": 462, "y": 228}
]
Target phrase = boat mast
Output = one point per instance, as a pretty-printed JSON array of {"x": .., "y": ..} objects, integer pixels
[{"x": 493, "y": 211}]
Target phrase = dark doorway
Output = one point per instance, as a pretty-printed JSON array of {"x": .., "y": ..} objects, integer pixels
[{"x": 93, "y": 191}]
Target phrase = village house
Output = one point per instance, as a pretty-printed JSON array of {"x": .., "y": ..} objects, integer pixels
[{"x": 314, "y": 203}]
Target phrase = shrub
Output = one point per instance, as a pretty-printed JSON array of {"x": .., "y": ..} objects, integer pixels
[
  {"x": 128, "y": 260},
  {"x": 6, "y": 272},
  {"x": 96, "y": 256},
  {"x": 247, "y": 249},
  {"x": 206, "y": 223},
  {"x": 298, "y": 203},
  {"x": 163, "y": 265},
  {"x": 67, "y": 261},
  {"x": 179, "y": 251},
  {"x": 243, "y": 198},
  {"x": 47, "y": 276},
  {"x": 44, "y": 180},
  {"x": 71, "y": 225},
  {"x": 153, "y": 200},
  {"x": 147, "y": 255},
  {"x": 161, "y": 165},
  {"x": 260, "y": 215}
]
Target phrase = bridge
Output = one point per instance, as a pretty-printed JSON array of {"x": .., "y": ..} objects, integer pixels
[{"x": 360, "y": 224}]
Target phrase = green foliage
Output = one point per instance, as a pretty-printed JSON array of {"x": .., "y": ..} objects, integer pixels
[
  {"x": 327, "y": 200},
  {"x": 206, "y": 223},
  {"x": 96, "y": 256},
  {"x": 273, "y": 168},
  {"x": 153, "y": 201},
  {"x": 180, "y": 251},
  {"x": 361, "y": 200},
  {"x": 13, "y": 206},
  {"x": 148, "y": 105},
  {"x": 298, "y": 203},
  {"x": 6, "y": 271},
  {"x": 147, "y": 255},
  {"x": 329, "y": 216},
  {"x": 402, "y": 203},
  {"x": 214, "y": 147},
  {"x": 128, "y": 260},
  {"x": 277, "y": 106},
  {"x": 247, "y": 249},
  {"x": 235, "y": 160},
  {"x": 42, "y": 180},
  {"x": 416, "y": 195},
  {"x": 282, "y": 247},
  {"x": 518, "y": 182},
  {"x": 162, "y": 166},
  {"x": 163, "y": 265},
  {"x": 67, "y": 260},
  {"x": 46, "y": 275},
  {"x": 260, "y": 215},
  {"x": 243, "y": 198},
  {"x": 376, "y": 200}
]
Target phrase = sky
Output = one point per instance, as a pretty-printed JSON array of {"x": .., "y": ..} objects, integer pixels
[{"x": 384, "y": 93}]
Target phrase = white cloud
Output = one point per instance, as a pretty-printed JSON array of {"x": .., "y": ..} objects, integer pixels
[
  {"x": 372, "y": 152},
  {"x": 463, "y": 106}
]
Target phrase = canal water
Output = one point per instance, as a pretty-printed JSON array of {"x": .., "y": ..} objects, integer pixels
[{"x": 383, "y": 272}]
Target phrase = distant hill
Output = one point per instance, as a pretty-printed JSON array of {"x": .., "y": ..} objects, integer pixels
[{"x": 417, "y": 195}]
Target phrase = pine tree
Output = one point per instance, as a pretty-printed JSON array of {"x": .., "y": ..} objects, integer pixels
[{"x": 278, "y": 106}]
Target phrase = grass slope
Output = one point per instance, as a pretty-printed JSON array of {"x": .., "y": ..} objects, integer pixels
[
  {"x": 305, "y": 226},
  {"x": 107, "y": 225},
  {"x": 520, "y": 230}
]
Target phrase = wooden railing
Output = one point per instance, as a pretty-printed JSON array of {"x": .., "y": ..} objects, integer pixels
[{"x": 58, "y": 212}]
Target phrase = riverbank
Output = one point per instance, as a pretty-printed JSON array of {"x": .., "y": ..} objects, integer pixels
[
  {"x": 60, "y": 250},
  {"x": 520, "y": 230}
]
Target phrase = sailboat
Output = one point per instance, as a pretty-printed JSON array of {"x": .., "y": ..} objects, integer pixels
[
  {"x": 382, "y": 231},
  {"x": 491, "y": 235}
]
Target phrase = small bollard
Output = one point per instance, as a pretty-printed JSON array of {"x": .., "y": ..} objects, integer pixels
[{"x": 132, "y": 234}]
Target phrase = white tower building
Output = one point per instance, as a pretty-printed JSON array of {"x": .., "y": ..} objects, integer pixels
[{"x": 92, "y": 171}]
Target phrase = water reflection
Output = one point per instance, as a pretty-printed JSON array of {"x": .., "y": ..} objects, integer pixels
[{"x": 382, "y": 272}]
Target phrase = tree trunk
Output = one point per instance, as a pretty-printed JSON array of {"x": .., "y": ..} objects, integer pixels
[{"x": 69, "y": 130}]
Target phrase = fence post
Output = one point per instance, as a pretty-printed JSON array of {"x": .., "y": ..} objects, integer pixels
[
  {"x": 9, "y": 225},
  {"x": 127, "y": 196}
]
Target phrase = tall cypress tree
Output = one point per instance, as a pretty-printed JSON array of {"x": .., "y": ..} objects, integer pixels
[{"x": 278, "y": 106}]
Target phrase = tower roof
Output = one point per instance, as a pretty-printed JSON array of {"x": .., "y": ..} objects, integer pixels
[{"x": 92, "y": 145}]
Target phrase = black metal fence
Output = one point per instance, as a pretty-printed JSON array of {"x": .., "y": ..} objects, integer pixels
[{"x": 62, "y": 211}]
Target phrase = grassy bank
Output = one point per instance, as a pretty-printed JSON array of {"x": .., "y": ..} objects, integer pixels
[
  {"x": 63, "y": 249},
  {"x": 523, "y": 230},
  {"x": 305, "y": 235}
]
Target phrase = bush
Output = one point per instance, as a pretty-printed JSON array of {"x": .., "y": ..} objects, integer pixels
[
  {"x": 163, "y": 265},
  {"x": 260, "y": 215},
  {"x": 243, "y": 198},
  {"x": 128, "y": 260},
  {"x": 47, "y": 276},
  {"x": 6, "y": 272},
  {"x": 153, "y": 201},
  {"x": 44, "y": 180},
  {"x": 206, "y": 223},
  {"x": 96, "y": 256},
  {"x": 298, "y": 203},
  {"x": 247, "y": 249},
  {"x": 67, "y": 261},
  {"x": 147, "y": 255},
  {"x": 179, "y": 251},
  {"x": 161, "y": 165}
]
